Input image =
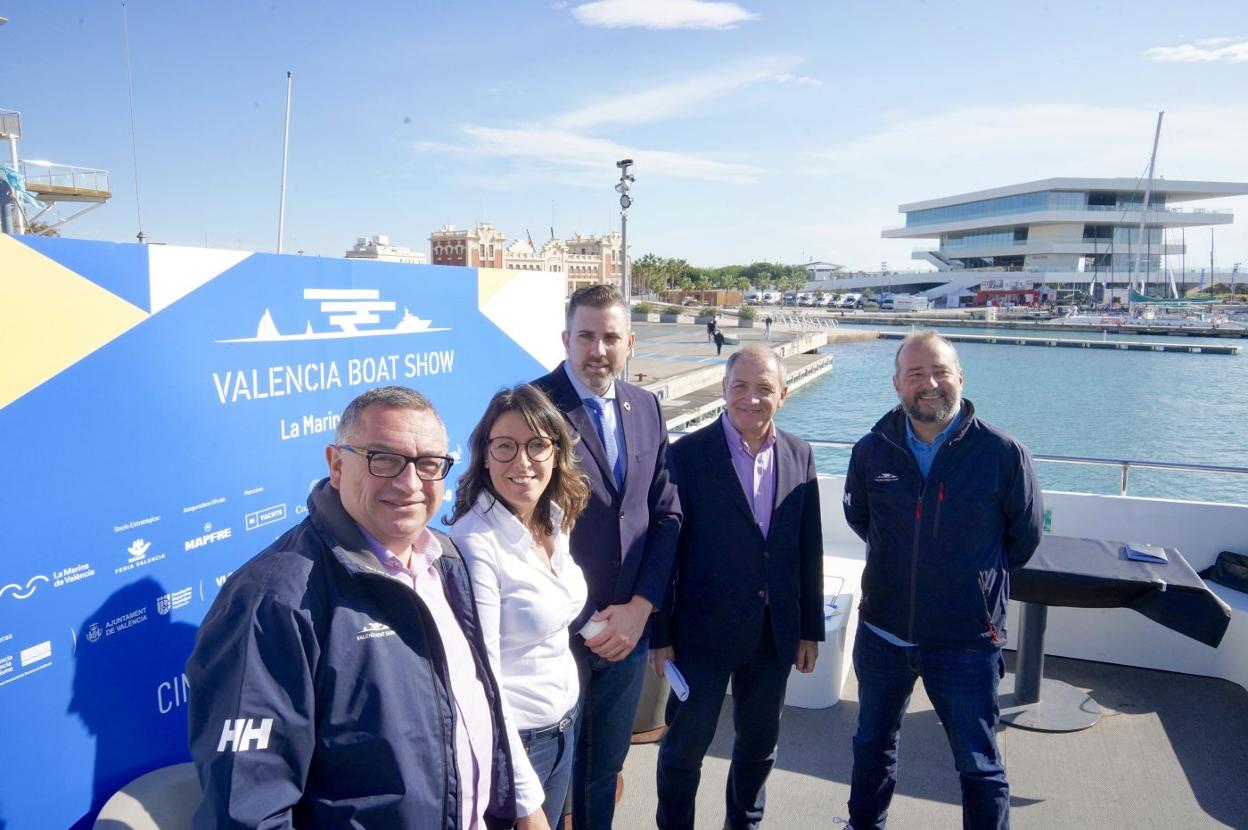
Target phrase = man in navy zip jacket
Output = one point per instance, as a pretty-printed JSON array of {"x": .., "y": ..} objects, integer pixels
[
  {"x": 948, "y": 505},
  {"x": 340, "y": 679}
]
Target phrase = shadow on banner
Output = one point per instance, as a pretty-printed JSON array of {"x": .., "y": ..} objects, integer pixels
[{"x": 125, "y": 649}]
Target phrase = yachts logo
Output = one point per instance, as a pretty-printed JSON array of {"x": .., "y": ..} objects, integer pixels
[
  {"x": 138, "y": 549},
  {"x": 18, "y": 592},
  {"x": 350, "y": 312},
  {"x": 885, "y": 478},
  {"x": 239, "y": 735},
  {"x": 374, "y": 630},
  {"x": 267, "y": 516}
]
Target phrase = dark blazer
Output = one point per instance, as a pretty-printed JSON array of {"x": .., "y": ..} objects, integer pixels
[
  {"x": 625, "y": 540},
  {"x": 725, "y": 568}
]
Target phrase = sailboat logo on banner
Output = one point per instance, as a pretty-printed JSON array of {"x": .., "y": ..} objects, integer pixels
[{"x": 353, "y": 312}]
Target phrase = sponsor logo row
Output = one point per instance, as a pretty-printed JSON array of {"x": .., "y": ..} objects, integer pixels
[{"x": 140, "y": 552}]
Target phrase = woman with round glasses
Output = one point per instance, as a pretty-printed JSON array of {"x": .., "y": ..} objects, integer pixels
[{"x": 514, "y": 509}]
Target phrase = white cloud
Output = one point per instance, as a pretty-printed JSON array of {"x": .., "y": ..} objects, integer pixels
[
  {"x": 559, "y": 144},
  {"x": 990, "y": 146},
  {"x": 977, "y": 148},
  {"x": 674, "y": 99},
  {"x": 661, "y": 14},
  {"x": 799, "y": 80},
  {"x": 566, "y": 149},
  {"x": 1211, "y": 49}
]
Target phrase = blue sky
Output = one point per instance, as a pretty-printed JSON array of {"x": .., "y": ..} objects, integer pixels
[{"x": 761, "y": 130}]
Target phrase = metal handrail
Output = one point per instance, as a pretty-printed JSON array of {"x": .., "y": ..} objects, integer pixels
[
  {"x": 53, "y": 174},
  {"x": 1124, "y": 464}
]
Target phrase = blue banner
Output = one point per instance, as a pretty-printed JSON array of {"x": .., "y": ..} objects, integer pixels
[{"x": 165, "y": 412}]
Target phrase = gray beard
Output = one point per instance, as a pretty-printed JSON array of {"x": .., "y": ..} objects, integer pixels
[{"x": 939, "y": 415}]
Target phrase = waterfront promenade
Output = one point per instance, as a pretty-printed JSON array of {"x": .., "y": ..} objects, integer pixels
[{"x": 678, "y": 363}]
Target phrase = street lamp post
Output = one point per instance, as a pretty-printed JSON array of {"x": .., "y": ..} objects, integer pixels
[{"x": 626, "y": 201}]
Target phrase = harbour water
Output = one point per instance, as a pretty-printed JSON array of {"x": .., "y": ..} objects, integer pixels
[{"x": 1154, "y": 406}]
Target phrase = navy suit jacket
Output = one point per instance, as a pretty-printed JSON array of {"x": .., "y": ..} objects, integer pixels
[
  {"x": 625, "y": 540},
  {"x": 726, "y": 572}
]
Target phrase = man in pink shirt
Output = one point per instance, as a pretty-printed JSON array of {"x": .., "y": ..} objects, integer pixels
[
  {"x": 340, "y": 677},
  {"x": 746, "y": 604}
]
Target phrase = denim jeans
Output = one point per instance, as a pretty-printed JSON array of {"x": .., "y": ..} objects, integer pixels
[
  {"x": 757, "y": 701},
  {"x": 962, "y": 685},
  {"x": 609, "y": 695},
  {"x": 550, "y": 753}
]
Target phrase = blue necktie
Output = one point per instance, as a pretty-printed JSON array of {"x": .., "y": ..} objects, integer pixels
[{"x": 607, "y": 436}]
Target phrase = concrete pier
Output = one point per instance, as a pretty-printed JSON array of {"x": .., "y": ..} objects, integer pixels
[
  {"x": 677, "y": 363},
  {"x": 1068, "y": 343}
]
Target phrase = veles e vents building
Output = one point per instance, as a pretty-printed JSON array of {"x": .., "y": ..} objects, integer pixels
[{"x": 1061, "y": 233}]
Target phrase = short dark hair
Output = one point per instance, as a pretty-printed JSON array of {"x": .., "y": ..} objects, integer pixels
[
  {"x": 759, "y": 351},
  {"x": 921, "y": 336},
  {"x": 568, "y": 487},
  {"x": 403, "y": 397},
  {"x": 595, "y": 296}
]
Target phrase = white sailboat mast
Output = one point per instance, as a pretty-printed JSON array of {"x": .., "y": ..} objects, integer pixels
[{"x": 1148, "y": 191}]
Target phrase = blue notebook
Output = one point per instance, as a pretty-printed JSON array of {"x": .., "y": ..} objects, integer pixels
[{"x": 1140, "y": 552}]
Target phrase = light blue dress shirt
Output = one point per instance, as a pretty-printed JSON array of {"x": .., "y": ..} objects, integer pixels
[{"x": 610, "y": 415}]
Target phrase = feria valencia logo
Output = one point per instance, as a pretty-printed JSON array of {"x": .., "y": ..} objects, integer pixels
[{"x": 348, "y": 312}]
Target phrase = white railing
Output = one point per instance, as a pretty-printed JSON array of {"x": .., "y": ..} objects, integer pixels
[{"x": 51, "y": 174}]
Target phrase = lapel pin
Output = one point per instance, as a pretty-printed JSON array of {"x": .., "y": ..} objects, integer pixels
[{"x": 627, "y": 406}]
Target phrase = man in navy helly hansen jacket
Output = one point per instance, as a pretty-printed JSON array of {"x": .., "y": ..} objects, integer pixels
[
  {"x": 948, "y": 505},
  {"x": 340, "y": 678}
]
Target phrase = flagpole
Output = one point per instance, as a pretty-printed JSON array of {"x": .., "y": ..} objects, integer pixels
[{"x": 281, "y": 210}]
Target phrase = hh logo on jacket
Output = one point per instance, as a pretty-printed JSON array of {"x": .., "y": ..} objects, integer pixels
[{"x": 240, "y": 735}]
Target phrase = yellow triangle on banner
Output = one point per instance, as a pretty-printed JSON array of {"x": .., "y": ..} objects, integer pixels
[
  {"x": 50, "y": 318},
  {"x": 527, "y": 306},
  {"x": 489, "y": 282}
]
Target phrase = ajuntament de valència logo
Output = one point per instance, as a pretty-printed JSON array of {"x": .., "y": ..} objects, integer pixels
[{"x": 352, "y": 312}]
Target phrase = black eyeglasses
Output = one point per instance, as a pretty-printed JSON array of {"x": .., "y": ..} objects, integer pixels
[
  {"x": 392, "y": 464},
  {"x": 504, "y": 449}
]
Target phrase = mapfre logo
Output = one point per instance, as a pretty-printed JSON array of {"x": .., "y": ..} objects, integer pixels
[
  {"x": 208, "y": 538},
  {"x": 350, "y": 312},
  {"x": 243, "y": 734}
]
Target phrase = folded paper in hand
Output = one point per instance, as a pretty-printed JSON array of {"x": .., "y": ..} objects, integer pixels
[
  {"x": 1140, "y": 552},
  {"x": 676, "y": 680}
]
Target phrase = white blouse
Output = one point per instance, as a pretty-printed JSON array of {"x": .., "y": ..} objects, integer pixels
[{"x": 525, "y": 611}]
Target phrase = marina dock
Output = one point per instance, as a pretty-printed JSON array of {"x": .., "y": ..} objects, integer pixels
[
  {"x": 965, "y": 319},
  {"x": 677, "y": 363},
  {"x": 1070, "y": 343}
]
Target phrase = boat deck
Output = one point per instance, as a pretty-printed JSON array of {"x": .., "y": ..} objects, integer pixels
[{"x": 1170, "y": 751}]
